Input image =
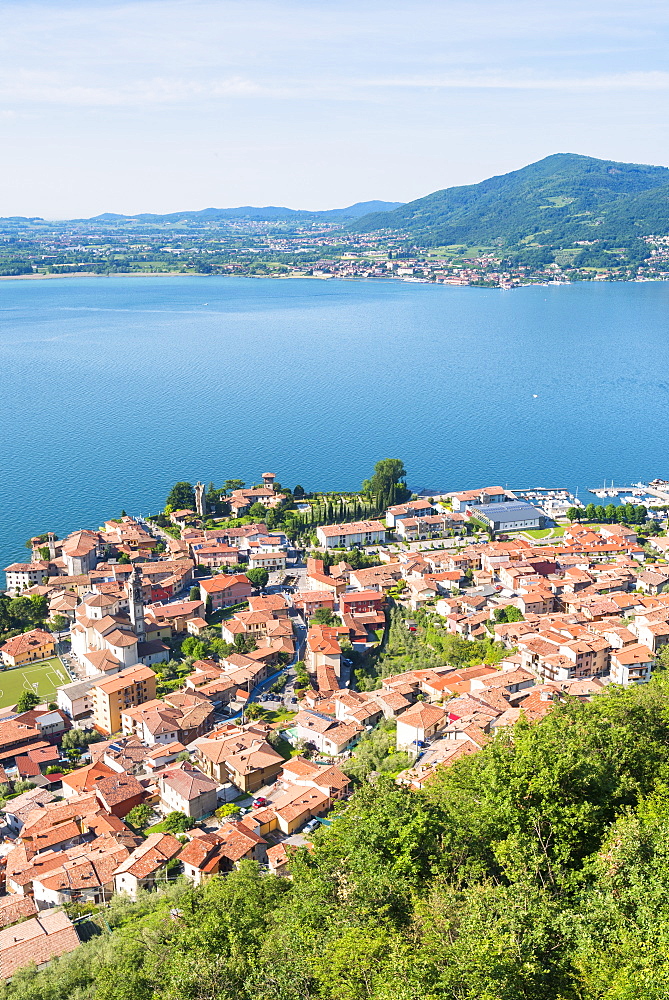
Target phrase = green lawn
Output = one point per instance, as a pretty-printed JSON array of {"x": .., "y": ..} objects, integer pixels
[{"x": 42, "y": 677}]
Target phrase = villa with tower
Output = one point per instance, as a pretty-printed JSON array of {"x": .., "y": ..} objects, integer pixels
[{"x": 242, "y": 500}]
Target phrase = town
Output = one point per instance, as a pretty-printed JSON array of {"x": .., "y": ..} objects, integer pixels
[
  {"x": 325, "y": 250},
  {"x": 188, "y": 691}
]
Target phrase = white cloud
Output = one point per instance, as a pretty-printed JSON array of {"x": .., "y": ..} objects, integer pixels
[{"x": 648, "y": 80}]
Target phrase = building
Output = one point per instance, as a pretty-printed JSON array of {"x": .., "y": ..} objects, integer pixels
[
  {"x": 146, "y": 863},
  {"x": 323, "y": 649},
  {"x": 22, "y": 576},
  {"x": 27, "y": 648},
  {"x": 631, "y": 665},
  {"x": 187, "y": 790},
  {"x": 348, "y": 536},
  {"x": 129, "y": 688},
  {"x": 36, "y": 941},
  {"x": 477, "y": 498},
  {"x": 240, "y": 755},
  {"x": 414, "y": 508},
  {"x": 328, "y": 735},
  {"x": 76, "y": 699},
  {"x": 418, "y": 724},
  {"x": 508, "y": 516},
  {"x": 224, "y": 591}
]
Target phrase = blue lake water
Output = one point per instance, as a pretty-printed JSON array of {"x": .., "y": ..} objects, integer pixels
[{"x": 114, "y": 388}]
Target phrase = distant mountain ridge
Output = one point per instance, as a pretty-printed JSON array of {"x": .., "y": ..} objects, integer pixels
[
  {"x": 270, "y": 213},
  {"x": 558, "y": 201}
]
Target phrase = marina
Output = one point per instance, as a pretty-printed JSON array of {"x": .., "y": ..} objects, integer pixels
[{"x": 657, "y": 491}]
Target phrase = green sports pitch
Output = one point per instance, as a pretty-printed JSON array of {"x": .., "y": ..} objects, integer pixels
[{"x": 42, "y": 677}]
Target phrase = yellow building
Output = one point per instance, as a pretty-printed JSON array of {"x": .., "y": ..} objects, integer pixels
[
  {"x": 34, "y": 645},
  {"x": 130, "y": 687}
]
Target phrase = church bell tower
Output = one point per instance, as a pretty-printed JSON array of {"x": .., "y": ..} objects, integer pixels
[{"x": 136, "y": 602}]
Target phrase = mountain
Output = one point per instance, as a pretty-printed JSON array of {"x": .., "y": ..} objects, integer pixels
[
  {"x": 558, "y": 200},
  {"x": 270, "y": 213}
]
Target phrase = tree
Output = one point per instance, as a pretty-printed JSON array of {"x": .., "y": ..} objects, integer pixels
[
  {"x": 78, "y": 739},
  {"x": 58, "y": 623},
  {"x": 124, "y": 559},
  {"x": 181, "y": 497},
  {"x": 257, "y": 511},
  {"x": 298, "y": 492},
  {"x": 389, "y": 473},
  {"x": 233, "y": 484},
  {"x": 323, "y": 616},
  {"x": 140, "y": 816},
  {"x": 254, "y": 711},
  {"x": 574, "y": 514},
  {"x": 178, "y": 822},
  {"x": 27, "y": 701},
  {"x": 259, "y": 577},
  {"x": 194, "y": 594}
]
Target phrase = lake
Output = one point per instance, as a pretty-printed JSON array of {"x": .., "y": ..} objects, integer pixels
[{"x": 114, "y": 388}]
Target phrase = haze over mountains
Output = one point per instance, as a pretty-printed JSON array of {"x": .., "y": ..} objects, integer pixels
[{"x": 270, "y": 213}]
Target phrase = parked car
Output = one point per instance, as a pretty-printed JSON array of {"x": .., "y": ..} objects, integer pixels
[
  {"x": 311, "y": 826},
  {"x": 260, "y": 802}
]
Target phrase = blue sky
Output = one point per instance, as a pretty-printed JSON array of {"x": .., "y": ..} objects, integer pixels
[{"x": 160, "y": 105}]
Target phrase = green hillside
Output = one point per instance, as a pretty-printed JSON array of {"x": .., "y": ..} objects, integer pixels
[{"x": 556, "y": 202}]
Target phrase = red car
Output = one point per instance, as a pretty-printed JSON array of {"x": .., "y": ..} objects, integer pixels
[{"x": 259, "y": 802}]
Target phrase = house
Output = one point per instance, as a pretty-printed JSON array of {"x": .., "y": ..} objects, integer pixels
[
  {"x": 347, "y": 536},
  {"x": 310, "y": 601},
  {"x": 224, "y": 591},
  {"x": 327, "y": 734},
  {"x": 212, "y": 853},
  {"x": 144, "y": 865},
  {"x": 128, "y": 688},
  {"x": 414, "y": 508},
  {"x": 180, "y": 715},
  {"x": 653, "y": 582},
  {"x": 76, "y": 699},
  {"x": 362, "y": 601},
  {"x": 27, "y": 648},
  {"x": 477, "y": 498},
  {"x": 631, "y": 665},
  {"x": 22, "y": 576},
  {"x": 36, "y": 941},
  {"x": 119, "y": 793},
  {"x": 239, "y": 754},
  {"x": 418, "y": 724},
  {"x": 323, "y": 649},
  {"x": 188, "y": 790}
]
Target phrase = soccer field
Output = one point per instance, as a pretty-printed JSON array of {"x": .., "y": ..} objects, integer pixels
[{"x": 42, "y": 677}]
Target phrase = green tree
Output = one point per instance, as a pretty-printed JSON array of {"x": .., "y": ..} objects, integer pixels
[
  {"x": 178, "y": 822},
  {"x": 57, "y": 623},
  {"x": 257, "y": 511},
  {"x": 323, "y": 616},
  {"x": 27, "y": 701},
  {"x": 389, "y": 473},
  {"x": 259, "y": 577},
  {"x": 194, "y": 594},
  {"x": 181, "y": 497},
  {"x": 140, "y": 816}
]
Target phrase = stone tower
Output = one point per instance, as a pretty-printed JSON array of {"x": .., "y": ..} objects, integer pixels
[
  {"x": 52, "y": 546},
  {"x": 268, "y": 479},
  {"x": 136, "y": 602},
  {"x": 200, "y": 502}
]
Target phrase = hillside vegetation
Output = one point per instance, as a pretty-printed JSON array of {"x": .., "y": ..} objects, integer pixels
[
  {"x": 537, "y": 869},
  {"x": 557, "y": 202}
]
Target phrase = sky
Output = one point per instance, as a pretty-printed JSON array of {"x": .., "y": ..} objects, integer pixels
[{"x": 166, "y": 105}]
